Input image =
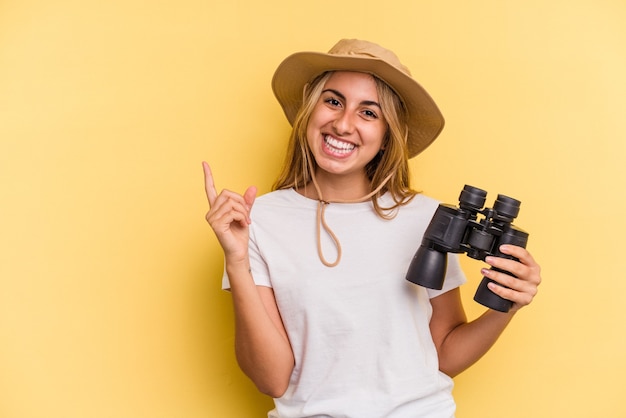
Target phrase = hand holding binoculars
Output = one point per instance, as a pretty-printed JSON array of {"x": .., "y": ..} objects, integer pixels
[{"x": 459, "y": 230}]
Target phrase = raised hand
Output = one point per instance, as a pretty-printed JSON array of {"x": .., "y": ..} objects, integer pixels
[{"x": 229, "y": 217}]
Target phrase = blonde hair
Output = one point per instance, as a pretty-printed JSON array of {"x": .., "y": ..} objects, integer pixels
[{"x": 392, "y": 161}]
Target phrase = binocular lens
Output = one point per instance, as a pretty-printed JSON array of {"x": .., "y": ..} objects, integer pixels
[
  {"x": 506, "y": 207},
  {"x": 472, "y": 197}
]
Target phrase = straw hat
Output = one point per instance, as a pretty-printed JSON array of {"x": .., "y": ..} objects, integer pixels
[{"x": 425, "y": 119}]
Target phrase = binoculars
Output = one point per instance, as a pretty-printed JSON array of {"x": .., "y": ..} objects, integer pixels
[{"x": 459, "y": 230}]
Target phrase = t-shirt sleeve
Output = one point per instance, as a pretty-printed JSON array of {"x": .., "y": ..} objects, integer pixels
[
  {"x": 454, "y": 276},
  {"x": 258, "y": 267}
]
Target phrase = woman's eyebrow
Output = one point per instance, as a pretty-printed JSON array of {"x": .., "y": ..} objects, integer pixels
[{"x": 342, "y": 97}]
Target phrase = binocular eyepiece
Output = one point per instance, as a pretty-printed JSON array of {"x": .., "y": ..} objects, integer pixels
[{"x": 459, "y": 230}]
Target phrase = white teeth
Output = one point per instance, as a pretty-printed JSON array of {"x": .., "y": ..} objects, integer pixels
[{"x": 339, "y": 146}]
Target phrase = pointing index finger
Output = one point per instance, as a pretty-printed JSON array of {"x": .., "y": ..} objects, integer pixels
[{"x": 209, "y": 184}]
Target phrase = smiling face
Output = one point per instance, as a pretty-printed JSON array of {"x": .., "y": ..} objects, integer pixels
[{"x": 347, "y": 128}]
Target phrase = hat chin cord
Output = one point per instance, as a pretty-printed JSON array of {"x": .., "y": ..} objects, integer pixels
[{"x": 321, "y": 220}]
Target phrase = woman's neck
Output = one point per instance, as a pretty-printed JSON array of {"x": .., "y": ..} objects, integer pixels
[{"x": 337, "y": 188}]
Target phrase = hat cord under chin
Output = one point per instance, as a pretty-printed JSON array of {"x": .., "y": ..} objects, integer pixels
[{"x": 321, "y": 220}]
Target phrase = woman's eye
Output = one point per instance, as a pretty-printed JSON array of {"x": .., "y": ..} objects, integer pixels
[
  {"x": 370, "y": 114},
  {"x": 332, "y": 101}
]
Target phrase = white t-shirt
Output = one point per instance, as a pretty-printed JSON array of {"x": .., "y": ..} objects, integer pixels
[{"x": 359, "y": 331}]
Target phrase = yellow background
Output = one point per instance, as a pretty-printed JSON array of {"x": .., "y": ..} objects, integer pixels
[{"x": 110, "y": 300}]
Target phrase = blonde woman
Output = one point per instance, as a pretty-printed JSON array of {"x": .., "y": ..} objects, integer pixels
[{"x": 325, "y": 321}]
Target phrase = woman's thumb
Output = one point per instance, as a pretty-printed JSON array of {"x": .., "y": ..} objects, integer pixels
[{"x": 250, "y": 195}]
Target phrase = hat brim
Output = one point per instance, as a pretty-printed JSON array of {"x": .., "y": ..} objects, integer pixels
[{"x": 424, "y": 117}]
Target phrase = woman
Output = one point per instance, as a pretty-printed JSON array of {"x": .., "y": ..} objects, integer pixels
[{"x": 325, "y": 322}]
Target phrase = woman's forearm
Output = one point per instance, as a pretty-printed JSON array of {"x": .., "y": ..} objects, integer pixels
[
  {"x": 468, "y": 342},
  {"x": 261, "y": 344}
]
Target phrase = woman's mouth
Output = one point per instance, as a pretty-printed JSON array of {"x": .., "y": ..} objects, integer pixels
[{"x": 337, "y": 146}]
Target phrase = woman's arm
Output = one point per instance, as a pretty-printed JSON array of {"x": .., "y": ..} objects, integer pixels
[
  {"x": 261, "y": 344},
  {"x": 460, "y": 343}
]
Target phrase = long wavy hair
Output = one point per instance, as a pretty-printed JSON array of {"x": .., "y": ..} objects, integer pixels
[{"x": 392, "y": 161}]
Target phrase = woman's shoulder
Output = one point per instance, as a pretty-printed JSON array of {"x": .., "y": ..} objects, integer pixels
[
  {"x": 418, "y": 200},
  {"x": 288, "y": 198},
  {"x": 279, "y": 195}
]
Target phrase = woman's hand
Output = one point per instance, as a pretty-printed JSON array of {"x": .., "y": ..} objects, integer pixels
[
  {"x": 520, "y": 289},
  {"x": 229, "y": 216}
]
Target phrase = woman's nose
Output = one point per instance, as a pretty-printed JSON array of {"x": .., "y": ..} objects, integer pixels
[{"x": 344, "y": 123}]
